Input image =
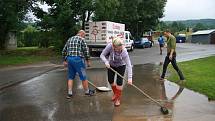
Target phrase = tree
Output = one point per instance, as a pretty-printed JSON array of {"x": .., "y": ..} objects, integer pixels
[
  {"x": 174, "y": 27},
  {"x": 181, "y": 26},
  {"x": 64, "y": 18},
  {"x": 12, "y": 12},
  {"x": 199, "y": 26},
  {"x": 87, "y": 9},
  {"x": 138, "y": 15},
  {"x": 29, "y": 36},
  {"x": 162, "y": 26},
  {"x": 177, "y": 26},
  {"x": 149, "y": 13},
  {"x": 105, "y": 10}
]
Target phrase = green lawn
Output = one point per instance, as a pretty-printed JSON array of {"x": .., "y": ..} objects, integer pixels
[
  {"x": 25, "y": 55},
  {"x": 199, "y": 75},
  {"x": 28, "y": 48},
  {"x": 16, "y": 60}
]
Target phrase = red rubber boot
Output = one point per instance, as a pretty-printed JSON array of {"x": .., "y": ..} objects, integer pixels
[
  {"x": 118, "y": 98},
  {"x": 114, "y": 93}
]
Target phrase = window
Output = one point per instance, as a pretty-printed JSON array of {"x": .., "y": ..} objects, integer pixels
[{"x": 126, "y": 36}]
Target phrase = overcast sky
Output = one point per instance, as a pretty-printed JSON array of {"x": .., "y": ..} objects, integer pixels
[{"x": 189, "y": 9}]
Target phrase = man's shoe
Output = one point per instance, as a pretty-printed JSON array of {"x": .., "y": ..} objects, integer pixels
[
  {"x": 90, "y": 93},
  {"x": 161, "y": 78},
  {"x": 69, "y": 96},
  {"x": 181, "y": 82}
]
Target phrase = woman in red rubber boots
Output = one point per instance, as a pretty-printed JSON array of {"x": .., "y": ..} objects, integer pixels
[{"x": 115, "y": 55}]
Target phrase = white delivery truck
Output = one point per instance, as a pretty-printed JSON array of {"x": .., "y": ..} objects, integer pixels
[{"x": 99, "y": 33}]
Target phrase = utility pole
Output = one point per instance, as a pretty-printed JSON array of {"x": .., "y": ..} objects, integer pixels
[{"x": 138, "y": 28}]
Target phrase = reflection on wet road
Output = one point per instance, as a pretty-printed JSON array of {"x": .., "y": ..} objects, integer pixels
[
  {"x": 44, "y": 99},
  {"x": 182, "y": 103}
]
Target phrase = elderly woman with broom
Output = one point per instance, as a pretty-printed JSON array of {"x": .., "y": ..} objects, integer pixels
[{"x": 115, "y": 56}]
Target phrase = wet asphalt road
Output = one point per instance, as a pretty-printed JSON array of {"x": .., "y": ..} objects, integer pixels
[
  {"x": 43, "y": 98},
  {"x": 15, "y": 75}
]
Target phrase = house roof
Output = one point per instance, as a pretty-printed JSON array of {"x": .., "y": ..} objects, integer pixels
[{"x": 204, "y": 32}]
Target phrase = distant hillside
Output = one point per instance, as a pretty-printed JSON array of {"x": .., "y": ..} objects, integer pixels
[{"x": 192, "y": 23}]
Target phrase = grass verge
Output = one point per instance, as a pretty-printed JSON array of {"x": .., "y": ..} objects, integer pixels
[
  {"x": 25, "y": 55},
  {"x": 199, "y": 75},
  {"x": 16, "y": 60}
]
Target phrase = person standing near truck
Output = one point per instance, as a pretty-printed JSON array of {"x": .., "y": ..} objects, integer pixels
[
  {"x": 171, "y": 56},
  {"x": 74, "y": 52},
  {"x": 115, "y": 56},
  {"x": 161, "y": 43}
]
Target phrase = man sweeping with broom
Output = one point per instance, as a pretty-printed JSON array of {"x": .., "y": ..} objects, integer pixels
[
  {"x": 74, "y": 52},
  {"x": 115, "y": 56}
]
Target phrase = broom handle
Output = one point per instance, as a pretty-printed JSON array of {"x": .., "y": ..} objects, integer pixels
[
  {"x": 138, "y": 88},
  {"x": 92, "y": 84}
]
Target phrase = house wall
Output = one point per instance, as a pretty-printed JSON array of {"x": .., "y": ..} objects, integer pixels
[
  {"x": 212, "y": 38},
  {"x": 11, "y": 42},
  {"x": 203, "y": 39}
]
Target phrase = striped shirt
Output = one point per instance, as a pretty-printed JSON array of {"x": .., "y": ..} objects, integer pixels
[{"x": 76, "y": 46}]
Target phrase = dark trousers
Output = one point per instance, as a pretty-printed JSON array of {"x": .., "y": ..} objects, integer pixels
[
  {"x": 175, "y": 66},
  {"x": 111, "y": 74}
]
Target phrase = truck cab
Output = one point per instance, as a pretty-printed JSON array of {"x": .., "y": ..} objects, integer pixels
[{"x": 128, "y": 41}]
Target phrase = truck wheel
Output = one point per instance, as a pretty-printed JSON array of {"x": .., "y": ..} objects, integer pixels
[
  {"x": 131, "y": 48},
  {"x": 152, "y": 44},
  {"x": 90, "y": 51}
]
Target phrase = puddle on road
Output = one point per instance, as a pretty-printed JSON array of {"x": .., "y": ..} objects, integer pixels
[
  {"x": 183, "y": 104},
  {"x": 47, "y": 93}
]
